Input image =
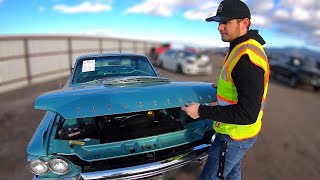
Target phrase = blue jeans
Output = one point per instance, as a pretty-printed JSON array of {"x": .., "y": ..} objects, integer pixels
[{"x": 234, "y": 156}]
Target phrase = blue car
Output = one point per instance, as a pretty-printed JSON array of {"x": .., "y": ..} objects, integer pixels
[{"x": 117, "y": 118}]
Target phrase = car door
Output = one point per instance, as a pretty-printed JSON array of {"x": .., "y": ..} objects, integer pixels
[
  {"x": 281, "y": 66},
  {"x": 164, "y": 59},
  {"x": 175, "y": 60},
  {"x": 170, "y": 60}
]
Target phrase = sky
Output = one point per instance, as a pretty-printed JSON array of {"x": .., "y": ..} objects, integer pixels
[{"x": 282, "y": 23}]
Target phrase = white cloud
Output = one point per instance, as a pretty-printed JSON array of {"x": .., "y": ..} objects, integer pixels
[
  {"x": 195, "y": 15},
  {"x": 85, "y": 7},
  {"x": 169, "y": 7},
  {"x": 296, "y": 18},
  {"x": 300, "y": 4},
  {"x": 155, "y": 7},
  {"x": 261, "y": 6},
  {"x": 317, "y": 15},
  {"x": 202, "y": 11},
  {"x": 317, "y": 32},
  {"x": 282, "y": 14},
  {"x": 300, "y": 14},
  {"x": 145, "y": 9},
  {"x": 259, "y": 20}
]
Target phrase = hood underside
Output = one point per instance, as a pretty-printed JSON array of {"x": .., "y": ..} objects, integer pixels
[{"x": 107, "y": 100}]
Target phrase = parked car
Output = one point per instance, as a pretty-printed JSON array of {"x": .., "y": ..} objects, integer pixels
[
  {"x": 155, "y": 52},
  {"x": 116, "y": 118},
  {"x": 184, "y": 61},
  {"x": 297, "y": 71}
]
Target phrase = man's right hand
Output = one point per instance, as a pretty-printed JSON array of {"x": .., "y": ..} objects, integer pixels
[{"x": 191, "y": 109}]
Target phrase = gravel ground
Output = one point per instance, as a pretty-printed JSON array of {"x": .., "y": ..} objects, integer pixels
[{"x": 287, "y": 147}]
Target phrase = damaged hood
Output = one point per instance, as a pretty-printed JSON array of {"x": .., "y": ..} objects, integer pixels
[{"x": 108, "y": 98}]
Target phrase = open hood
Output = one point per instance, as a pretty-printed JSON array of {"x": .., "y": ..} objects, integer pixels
[{"x": 102, "y": 100}]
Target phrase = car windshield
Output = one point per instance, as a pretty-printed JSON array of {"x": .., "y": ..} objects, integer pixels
[
  {"x": 90, "y": 69},
  {"x": 188, "y": 53}
]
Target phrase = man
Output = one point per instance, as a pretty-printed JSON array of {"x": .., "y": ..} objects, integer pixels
[{"x": 241, "y": 93}]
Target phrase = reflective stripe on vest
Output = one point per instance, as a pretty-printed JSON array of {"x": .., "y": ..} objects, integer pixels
[{"x": 227, "y": 92}]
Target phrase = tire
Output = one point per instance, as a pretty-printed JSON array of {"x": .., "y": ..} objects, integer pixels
[
  {"x": 160, "y": 65},
  {"x": 179, "y": 69},
  {"x": 316, "y": 88},
  {"x": 293, "y": 82}
]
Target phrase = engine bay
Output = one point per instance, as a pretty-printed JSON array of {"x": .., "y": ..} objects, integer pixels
[{"x": 112, "y": 128}]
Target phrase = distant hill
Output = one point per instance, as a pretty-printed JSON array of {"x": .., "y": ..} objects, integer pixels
[
  {"x": 292, "y": 51},
  {"x": 217, "y": 50}
]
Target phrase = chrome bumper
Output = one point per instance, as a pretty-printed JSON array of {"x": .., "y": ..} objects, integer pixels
[{"x": 199, "y": 154}]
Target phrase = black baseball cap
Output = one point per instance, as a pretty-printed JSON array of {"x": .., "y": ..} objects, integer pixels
[{"x": 230, "y": 9}]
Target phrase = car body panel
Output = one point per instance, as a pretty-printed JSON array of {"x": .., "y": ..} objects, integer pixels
[
  {"x": 152, "y": 169},
  {"x": 119, "y": 96},
  {"x": 39, "y": 143},
  {"x": 92, "y": 151},
  {"x": 105, "y": 100}
]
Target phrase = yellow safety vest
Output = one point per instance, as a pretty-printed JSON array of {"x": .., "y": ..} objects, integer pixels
[{"x": 227, "y": 91}]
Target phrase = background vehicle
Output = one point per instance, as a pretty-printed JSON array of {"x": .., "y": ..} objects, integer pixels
[
  {"x": 185, "y": 61},
  {"x": 116, "y": 118},
  {"x": 297, "y": 71},
  {"x": 155, "y": 52}
]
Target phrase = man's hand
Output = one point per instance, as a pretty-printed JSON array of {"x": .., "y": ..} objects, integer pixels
[
  {"x": 214, "y": 103},
  {"x": 191, "y": 109}
]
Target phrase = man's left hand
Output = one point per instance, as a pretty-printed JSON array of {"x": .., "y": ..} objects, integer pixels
[{"x": 191, "y": 109}]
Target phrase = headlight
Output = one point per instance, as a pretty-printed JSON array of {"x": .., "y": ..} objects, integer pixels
[
  {"x": 189, "y": 61},
  {"x": 59, "y": 166},
  {"x": 38, "y": 167}
]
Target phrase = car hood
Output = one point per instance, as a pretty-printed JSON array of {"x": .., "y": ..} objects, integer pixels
[{"x": 103, "y": 99}]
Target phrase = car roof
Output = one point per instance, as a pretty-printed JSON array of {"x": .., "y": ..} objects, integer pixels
[{"x": 94, "y": 55}]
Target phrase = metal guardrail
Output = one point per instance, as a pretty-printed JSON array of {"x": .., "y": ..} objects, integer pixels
[{"x": 26, "y": 59}]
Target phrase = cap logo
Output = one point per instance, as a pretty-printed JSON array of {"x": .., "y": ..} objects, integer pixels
[{"x": 220, "y": 8}]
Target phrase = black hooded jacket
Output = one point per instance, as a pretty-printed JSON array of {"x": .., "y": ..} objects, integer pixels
[{"x": 249, "y": 81}]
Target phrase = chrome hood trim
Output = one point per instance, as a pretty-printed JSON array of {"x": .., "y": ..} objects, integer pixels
[{"x": 135, "y": 79}]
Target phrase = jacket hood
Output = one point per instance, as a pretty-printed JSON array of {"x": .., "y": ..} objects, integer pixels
[{"x": 252, "y": 34}]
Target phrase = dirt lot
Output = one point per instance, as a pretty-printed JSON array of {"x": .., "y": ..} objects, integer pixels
[{"x": 287, "y": 147}]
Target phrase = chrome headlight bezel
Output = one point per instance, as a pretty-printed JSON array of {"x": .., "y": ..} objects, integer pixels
[
  {"x": 61, "y": 160},
  {"x": 43, "y": 163}
]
